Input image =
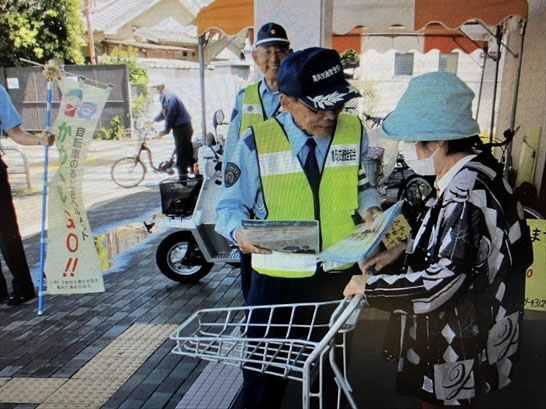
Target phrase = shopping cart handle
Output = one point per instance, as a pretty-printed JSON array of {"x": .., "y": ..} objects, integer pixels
[
  {"x": 343, "y": 319},
  {"x": 350, "y": 310}
]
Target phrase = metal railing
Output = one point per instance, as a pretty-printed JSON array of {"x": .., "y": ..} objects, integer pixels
[{"x": 25, "y": 163}]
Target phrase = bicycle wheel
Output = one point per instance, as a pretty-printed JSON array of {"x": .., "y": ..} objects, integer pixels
[
  {"x": 128, "y": 172},
  {"x": 415, "y": 191}
]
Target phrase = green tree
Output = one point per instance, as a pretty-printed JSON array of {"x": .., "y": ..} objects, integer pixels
[
  {"x": 138, "y": 77},
  {"x": 39, "y": 30},
  {"x": 129, "y": 56},
  {"x": 349, "y": 58}
]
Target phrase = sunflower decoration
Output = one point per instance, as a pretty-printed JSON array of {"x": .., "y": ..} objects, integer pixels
[{"x": 52, "y": 70}]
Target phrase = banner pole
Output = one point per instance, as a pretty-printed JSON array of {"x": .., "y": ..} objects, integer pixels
[{"x": 50, "y": 70}]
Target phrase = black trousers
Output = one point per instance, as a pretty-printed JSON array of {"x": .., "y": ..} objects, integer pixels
[
  {"x": 11, "y": 243},
  {"x": 267, "y": 391},
  {"x": 184, "y": 148},
  {"x": 246, "y": 274}
]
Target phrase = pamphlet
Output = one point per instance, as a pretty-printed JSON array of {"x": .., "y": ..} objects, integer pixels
[
  {"x": 287, "y": 236},
  {"x": 363, "y": 240},
  {"x": 302, "y": 236}
]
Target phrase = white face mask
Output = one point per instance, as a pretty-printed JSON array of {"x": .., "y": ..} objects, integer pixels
[{"x": 423, "y": 167}]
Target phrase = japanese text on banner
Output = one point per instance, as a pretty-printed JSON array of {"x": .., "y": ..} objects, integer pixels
[
  {"x": 72, "y": 264},
  {"x": 535, "y": 285}
]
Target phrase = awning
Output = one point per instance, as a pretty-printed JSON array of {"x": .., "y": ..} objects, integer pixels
[
  {"x": 445, "y": 40},
  {"x": 377, "y": 16},
  {"x": 437, "y": 20},
  {"x": 434, "y": 37},
  {"x": 352, "y": 40},
  {"x": 420, "y": 18},
  {"x": 228, "y": 16}
]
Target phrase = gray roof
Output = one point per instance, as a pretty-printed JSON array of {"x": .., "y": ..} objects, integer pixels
[
  {"x": 148, "y": 63},
  {"x": 110, "y": 16},
  {"x": 168, "y": 32}
]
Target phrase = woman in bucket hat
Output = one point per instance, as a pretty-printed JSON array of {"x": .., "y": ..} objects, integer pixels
[{"x": 460, "y": 293}]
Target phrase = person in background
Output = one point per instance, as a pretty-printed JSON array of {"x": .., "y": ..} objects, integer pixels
[
  {"x": 270, "y": 176},
  {"x": 460, "y": 292},
  {"x": 11, "y": 243},
  {"x": 177, "y": 119},
  {"x": 258, "y": 102}
]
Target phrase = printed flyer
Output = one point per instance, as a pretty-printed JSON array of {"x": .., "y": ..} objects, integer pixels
[{"x": 302, "y": 237}]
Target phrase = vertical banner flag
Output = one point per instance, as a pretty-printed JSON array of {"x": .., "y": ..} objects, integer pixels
[
  {"x": 72, "y": 263},
  {"x": 535, "y": 286}
]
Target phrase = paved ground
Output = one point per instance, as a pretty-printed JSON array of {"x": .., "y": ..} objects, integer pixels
[{"x": 112, "y": 349}]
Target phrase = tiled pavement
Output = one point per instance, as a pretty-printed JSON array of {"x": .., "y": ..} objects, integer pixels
[{"x": 111, "y": 350}]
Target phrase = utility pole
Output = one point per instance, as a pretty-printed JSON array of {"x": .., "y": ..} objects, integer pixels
[{"x": 90, "y": 40}]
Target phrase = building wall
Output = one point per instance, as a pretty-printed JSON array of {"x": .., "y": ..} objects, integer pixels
[
  {"x": 377, "y": 75},
  {"x": 145, "y": 51},
  {"x": 531, "y": 103}
]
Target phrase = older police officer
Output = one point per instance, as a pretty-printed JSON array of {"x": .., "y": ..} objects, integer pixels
[{"x": 267, "y": 177}]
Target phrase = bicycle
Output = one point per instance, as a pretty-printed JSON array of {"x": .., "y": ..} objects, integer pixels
[
  {"x": 130, "y": 171},
  {"x": 400, "y": 183},
  {"x": 506, "y": 163}
]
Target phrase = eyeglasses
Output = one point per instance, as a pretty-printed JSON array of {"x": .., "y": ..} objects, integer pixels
[
  {"x": 267, "y": 52},
  {"x": 317, "y": 111}
]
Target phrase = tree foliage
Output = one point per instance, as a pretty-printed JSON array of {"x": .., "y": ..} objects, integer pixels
[
  {"x": 127, "y": 56},
  {"x": 138, "y": 77},
  {"x": 39, "y": 30},
  {"x": 349, "y": 58}
]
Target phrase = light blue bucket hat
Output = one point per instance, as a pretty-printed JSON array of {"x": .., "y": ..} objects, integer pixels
[{"x": 436, "y": 106}]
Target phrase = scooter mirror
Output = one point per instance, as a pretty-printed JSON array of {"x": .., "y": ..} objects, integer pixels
[{"x": 218, "y": 118}]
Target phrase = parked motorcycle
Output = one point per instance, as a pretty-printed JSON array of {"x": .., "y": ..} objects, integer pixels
[{"x": 188, "y": 254}]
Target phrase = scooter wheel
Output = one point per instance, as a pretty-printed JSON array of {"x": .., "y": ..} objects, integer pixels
[{"x": 179, "y": 258}]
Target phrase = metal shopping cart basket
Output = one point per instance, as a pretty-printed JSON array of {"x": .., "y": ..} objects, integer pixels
[{"x": 292, "y": 341}]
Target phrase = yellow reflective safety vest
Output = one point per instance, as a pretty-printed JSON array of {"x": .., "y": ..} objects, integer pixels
[
  {"x": 288, "y": 195},
  {"x": 252, "y": 109}
]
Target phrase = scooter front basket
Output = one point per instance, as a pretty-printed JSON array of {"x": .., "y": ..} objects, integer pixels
[{"x": 178, "y": 197}]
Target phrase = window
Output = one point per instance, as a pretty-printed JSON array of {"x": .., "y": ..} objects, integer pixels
[
  {"x": 448, "y": 62},
  {"x": 403, "y": 64}
]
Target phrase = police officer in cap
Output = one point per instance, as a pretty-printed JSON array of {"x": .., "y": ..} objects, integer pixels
[
  {"x": 270, "y": 176},
  {"x": 258, "y": 102}
]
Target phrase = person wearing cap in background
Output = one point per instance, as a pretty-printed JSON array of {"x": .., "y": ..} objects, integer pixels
[
  {"x": 258, "y": 102},
  {"x": 178, "y": 119},
  {"x": 11, "y": 243},
  {"x": 461, "y": 290},
  {"x": 265, "y": 178}
]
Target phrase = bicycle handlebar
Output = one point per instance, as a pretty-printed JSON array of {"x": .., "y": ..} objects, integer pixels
[
  {"x": 375, "y": 119},
  {"x": 508, "y": 137}
]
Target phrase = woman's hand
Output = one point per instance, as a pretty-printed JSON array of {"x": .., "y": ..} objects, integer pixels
[
  {"x": 371, "y": 215},
  {"x": 356, "y": 285},
  {"x": 383, "y": 259},
  {"x": 247, "y": 247}
]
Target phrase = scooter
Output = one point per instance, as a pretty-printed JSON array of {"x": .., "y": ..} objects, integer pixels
[{"x": 188, "y": 254}]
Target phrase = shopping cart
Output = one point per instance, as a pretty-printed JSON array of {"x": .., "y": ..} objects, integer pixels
[{"x": 286, "y": 344}]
